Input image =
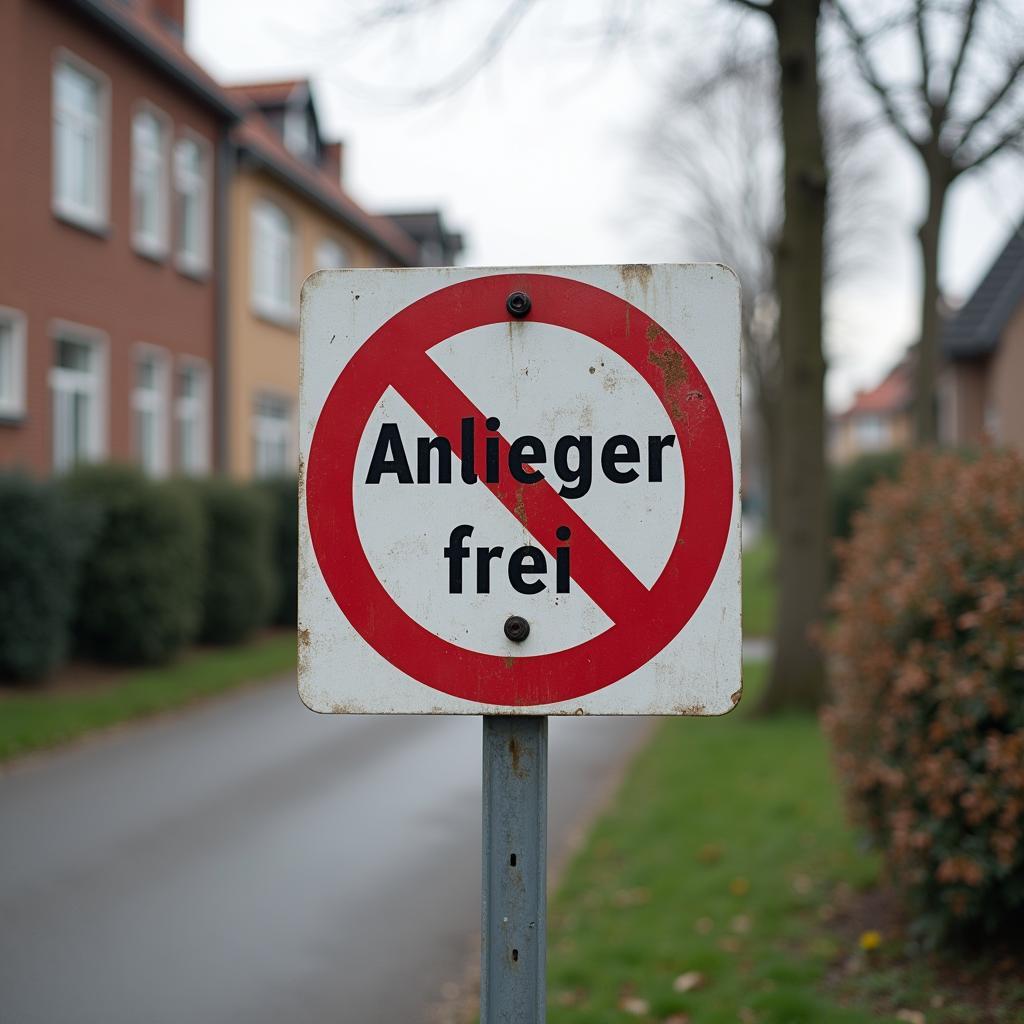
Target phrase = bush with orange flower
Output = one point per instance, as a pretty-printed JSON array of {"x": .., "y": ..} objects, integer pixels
[{"x": 927, "y": 713}]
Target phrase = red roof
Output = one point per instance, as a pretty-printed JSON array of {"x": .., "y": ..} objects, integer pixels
[
  {"x": 139, "y": 25},
  {"x": 892, "y": 395},
  {"x": 267, "y": 93},
  {"x": 256, "y": 134}
]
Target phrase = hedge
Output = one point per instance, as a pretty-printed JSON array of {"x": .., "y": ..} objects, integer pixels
[
  {"x": 139, "y": 593},
  {"x": 41, "y": 548},
  {"x": 927, "y": 716},
  {"x": 240, "y": 589},
  {"x": 283, "y": 495}
]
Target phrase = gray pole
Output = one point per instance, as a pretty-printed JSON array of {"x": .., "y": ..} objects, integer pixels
[{"x": 514, "y": 911}]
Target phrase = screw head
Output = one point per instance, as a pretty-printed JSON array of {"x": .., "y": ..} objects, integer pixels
[
  {"x": 517, "y": 629},
  {"x": 518, "y": 304}
]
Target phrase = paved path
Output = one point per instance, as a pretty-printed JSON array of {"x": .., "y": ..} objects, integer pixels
[{"x": 249, "y": 861}]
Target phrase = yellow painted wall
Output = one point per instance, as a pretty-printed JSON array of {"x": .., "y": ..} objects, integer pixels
[{"x": 264, "y": 355}]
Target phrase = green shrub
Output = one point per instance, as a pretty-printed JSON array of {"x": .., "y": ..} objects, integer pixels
[
  {"x": 928, "y": 712},
  {"x": 849, "y": 486},
  {"x": 240, "y": 589},
  {"x": 283, "y": 495},
  {"x": 141, "y": 581},
  {"x": 41, "y": 546}
]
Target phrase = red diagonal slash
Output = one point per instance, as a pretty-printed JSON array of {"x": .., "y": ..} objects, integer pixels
[{"x": 541, "y": 509}]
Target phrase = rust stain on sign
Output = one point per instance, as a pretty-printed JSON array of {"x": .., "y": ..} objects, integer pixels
[
  {"x": 520, "y": 509},
  {"x": 689, "y": 709},
  {"x": 673, "y": 373},
  {"x": 636, "y": 273}
]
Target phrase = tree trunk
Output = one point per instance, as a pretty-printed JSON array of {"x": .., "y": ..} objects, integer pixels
[
  {"x": 926, "y": 426},
  {"x": 798, "y": 671}
]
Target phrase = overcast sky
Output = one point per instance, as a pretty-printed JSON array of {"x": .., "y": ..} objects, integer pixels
[{"x": 536, "y": 158}]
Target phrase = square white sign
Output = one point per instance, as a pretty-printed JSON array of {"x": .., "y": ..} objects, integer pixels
[{"x": 519, "y": 491}]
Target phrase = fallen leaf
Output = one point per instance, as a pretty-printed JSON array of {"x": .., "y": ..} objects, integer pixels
[
  {"x": 739, "y": 887},
  {"x": 634, "y": 1005},
  {"x": 747, "y": 1015},
  {"x": 802, "y": 884},
  {"x": 688, "y": 981},
  {"x": 631, "y": 897},
  {"x": 741, "y": 924},
  {"x": 677, "y": 1018},
  {"x": 910, "y": 1016},
  {"x": 704, "y": 926},
  {"x": 709, "y": 853}
]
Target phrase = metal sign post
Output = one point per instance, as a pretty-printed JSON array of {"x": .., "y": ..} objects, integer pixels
[{"x": 514, "y": 898}]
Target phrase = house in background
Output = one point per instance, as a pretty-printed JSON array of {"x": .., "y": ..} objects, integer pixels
[
  {"x": 438, "y": 246},
  {"x": 982, "y": 382},
  {"x": 290, "y": 215},
  {"x": 111, "y": 160},
  {"x": 877, "y": 420}
]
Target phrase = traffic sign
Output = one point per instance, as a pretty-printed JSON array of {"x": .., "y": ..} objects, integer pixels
[{"x": 519, "y": 491}]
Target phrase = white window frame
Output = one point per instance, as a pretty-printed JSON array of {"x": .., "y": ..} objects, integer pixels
[
  {"x": 184, "y": 409},
  {"x": 272, "y": 431},
  {"x": 323, "y": 258},
  {"x": 155, "y": 401},
  {"x": 279, "y": 309},
  {"x": 95, "y": 217},
  {"x": 59, "y": 377},
  {"x": 155, "y": 245},
  {"x": 299, "y": 133},
  {"x": 12, "y": 403},
  {"x": 195, "y": 264}
]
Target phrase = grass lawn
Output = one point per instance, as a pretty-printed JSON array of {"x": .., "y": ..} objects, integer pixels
[
  {"x": 699, "y": 897},
  {"x": 33, "y": 719},
  {"x": 759, "y": 588}
]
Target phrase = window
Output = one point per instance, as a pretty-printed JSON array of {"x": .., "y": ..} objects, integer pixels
[
  {"x": 149, "y": 406},
  {"x": 78, "y": 383},
  {"x": 80, "y": 101},
  {"x": 12, "y": 364},
  {"x": 149, "y": 183},
  {"x": 272, "y": 434},
  {"x": 273, "y": 263},
  {"x": 191, "y": 185},
  {"x": 299, "y": 135},
  {"x": 871, "y": 432},
  {"x": 193, "y": 417},
  {"x": 330, "y": 255}
]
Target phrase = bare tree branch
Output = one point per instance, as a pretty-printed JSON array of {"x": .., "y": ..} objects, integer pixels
[
  {"x": 752, "y": 5},
  {"x": 988, "y": 108},
  {"x": 970, "y": 20},
  {"x": 924, "y": 57},
  {"x": 870, "y": 75},
  {"x": 1014, "y": 136}
]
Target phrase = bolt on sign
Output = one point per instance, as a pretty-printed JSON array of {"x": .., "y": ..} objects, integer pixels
[{"x": 520, "y": 491}]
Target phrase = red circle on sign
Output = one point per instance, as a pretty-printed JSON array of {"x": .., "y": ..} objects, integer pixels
[{"x": 644, "y": 621}]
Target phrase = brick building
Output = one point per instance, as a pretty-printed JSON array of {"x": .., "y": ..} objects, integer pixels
[{"x": 111, "y": 162}]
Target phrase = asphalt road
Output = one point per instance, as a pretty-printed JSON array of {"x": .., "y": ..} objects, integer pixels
[{"x": 251, "y": 861}]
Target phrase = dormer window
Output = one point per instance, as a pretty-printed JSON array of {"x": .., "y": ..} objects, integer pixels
[{"x": 299, "y": 133}]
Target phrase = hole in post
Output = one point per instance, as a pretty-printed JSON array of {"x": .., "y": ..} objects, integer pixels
[
  {"x": 515, "y": 954},
  {"x": 512, "y": 860}
]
